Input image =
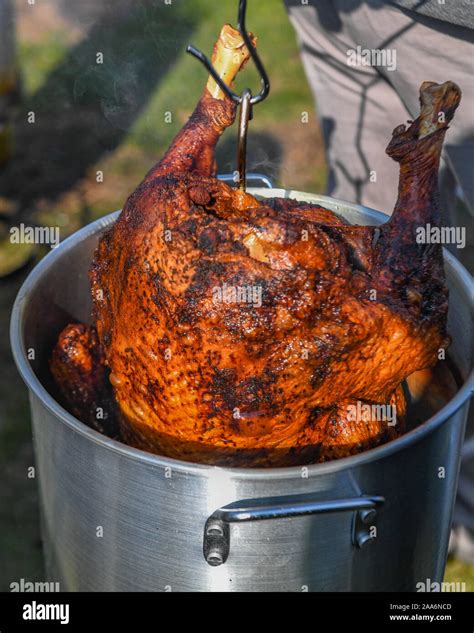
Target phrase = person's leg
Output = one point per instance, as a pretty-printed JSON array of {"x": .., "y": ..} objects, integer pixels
[
  {"x": 426, "y": 50},
  {"x": 358, "y": 108},
  {"x": 360, "y": 105}
]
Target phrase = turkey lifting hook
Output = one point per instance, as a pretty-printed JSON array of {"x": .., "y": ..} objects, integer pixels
[
  {"x": 245, "y": 100},
  {"x": 263, "y": 94}
]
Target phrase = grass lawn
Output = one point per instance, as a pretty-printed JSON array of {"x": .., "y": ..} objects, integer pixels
[{"x": 457, "y": 571}]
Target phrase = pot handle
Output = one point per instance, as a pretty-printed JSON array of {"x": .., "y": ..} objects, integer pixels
[
  {"x": 216, "y": 544},
  {"x": 264, "y": 180}
]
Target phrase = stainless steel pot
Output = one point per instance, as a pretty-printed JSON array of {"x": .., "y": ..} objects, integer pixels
[{"x": 117, "y": 518}]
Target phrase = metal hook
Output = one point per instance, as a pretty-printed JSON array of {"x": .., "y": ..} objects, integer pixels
[
  {"x": 245, "y": 116},
  {"x": 263, "y": 94},
  {"x": 254, "y": 55},
  {"x": 245, "y": 100}
]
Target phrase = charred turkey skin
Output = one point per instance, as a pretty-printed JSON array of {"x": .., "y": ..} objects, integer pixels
[{"x": 247, "y": 332}]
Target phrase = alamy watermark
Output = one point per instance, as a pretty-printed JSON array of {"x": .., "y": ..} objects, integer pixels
[
  {"x": 26, "y": 586},
  {"x": 41, "y": 611},
  {"x": 23, "y": 234},
  {"x": 429, "y": 585},
  {"x": 429, "y": 234},
  {"x": 238, "y": 294},
  {"x": 386, "y": 57},
  {"x": 364, "y": 412}
]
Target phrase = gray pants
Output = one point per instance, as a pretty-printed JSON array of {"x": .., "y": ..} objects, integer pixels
[{"x": 359, "y": 105}]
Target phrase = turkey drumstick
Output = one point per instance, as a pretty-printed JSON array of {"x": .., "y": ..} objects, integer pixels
[{"x": 193, "y": 148}]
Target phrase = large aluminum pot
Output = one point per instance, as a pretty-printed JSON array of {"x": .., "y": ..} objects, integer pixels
[{"x": 117, "y": 518}]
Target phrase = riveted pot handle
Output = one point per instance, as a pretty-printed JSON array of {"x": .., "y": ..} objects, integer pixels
[{"x": 216, "y": 545}]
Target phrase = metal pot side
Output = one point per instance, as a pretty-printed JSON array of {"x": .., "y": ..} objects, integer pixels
[{"x": 116, "y": 518}]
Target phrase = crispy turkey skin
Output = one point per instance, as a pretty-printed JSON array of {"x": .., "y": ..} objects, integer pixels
[{"x": 247, "y": 332}]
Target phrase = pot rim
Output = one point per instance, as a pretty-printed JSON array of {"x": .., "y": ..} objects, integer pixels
[{"x": 205, "y": 470}]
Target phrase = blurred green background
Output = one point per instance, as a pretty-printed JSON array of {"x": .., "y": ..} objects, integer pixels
[{"x": 110, "y": 118}]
